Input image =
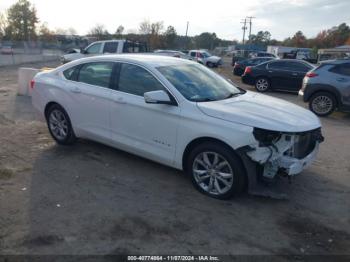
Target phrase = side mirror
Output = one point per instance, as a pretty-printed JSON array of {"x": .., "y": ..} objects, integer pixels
[
  {"x": 83, "y": 51},
  {"x": 158, "y": 97}
]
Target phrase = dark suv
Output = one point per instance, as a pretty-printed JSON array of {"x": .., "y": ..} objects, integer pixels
[{"x": 327, "y": 87}]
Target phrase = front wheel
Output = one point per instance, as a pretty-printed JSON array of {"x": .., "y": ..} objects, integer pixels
[
  {"x": 322, "y": 103},
  {"x": 59, "y": 125},
  {"x": 216, "y": 171},
  {"x": 210, "y": 64},
  {"x": 262, "y": 84}
]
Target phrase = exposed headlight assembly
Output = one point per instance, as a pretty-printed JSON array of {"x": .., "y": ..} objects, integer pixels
[{"x": 266, "y": 137}]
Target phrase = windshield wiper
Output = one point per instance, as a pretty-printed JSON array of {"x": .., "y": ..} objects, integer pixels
[
  {"x": 233, "y": 95},
  {"x": 205, "y": 100}
]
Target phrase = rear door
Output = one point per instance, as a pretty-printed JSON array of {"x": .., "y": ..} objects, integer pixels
[
  {"x": 342, "y": 82},
  {"x": 297, "y": 71},
  {"x": 91, "y": 92}
]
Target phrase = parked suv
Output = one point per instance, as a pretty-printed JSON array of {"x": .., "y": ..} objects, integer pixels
[
  {"x": 327, "y": 87},
  {"x": 106, "y": 47},
  {"x": 205, "y": 58}
]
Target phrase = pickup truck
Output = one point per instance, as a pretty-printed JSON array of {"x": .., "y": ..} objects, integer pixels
[
  {"x": 105, "y": 47},
  {"x": 205, "y": 58}
]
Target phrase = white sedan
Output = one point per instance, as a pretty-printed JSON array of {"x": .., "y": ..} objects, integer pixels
[{"x": 181, "y": 114}]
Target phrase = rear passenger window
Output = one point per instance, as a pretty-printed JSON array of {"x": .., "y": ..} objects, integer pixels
[
  {"x": 343, "y": 69},
  {"x": 70, "y": 73},
  {"x": 278, "y": 65},
  {"x": 110, "y": 47},
  {"x": 137, "y": 81},
  {"x": 193, "y": 54},
  {"x": 97, "y": 74}
]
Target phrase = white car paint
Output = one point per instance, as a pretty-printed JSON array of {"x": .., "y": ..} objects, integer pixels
[
  {"x": 205, "y": 58},
  {"x": 162, "y": 132},
  {"x": 95, "y": 49}
]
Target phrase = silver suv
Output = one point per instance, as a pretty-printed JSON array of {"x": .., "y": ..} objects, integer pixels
[{"x": 327, "y": 87}]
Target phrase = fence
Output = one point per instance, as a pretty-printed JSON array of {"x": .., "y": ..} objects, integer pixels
[{"x": 14, "y": 53}]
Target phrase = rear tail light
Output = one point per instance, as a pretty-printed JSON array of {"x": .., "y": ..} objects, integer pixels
[
  {"x": 247, "y": 70},
  {"x": 311, "y": 74},
  {"x": 32, "y": 83}
]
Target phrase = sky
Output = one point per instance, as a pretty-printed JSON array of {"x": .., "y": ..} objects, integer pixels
[{"x": 282, "y": 18}]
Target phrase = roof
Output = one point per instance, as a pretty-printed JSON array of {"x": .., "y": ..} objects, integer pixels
[
  {"x": 148, "y": 60},
  {"x": 336, "y": 61}
]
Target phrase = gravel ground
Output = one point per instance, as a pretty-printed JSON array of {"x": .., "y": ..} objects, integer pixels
[{"x": 93, "y": 199}]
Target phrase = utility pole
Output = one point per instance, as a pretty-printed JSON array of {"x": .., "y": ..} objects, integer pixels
[
  {"x": 244, "y": 22},
  {"x": 250, "y": 18},
  {"x": 187, "y": 28},
  {"x": 186, "y": 39}
]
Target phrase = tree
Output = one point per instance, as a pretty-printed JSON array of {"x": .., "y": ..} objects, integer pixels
[
  {"x": 3, "y": 25},
  {"x": 206, "y": 40},
  {"x": 152, "y": 32},
  {"x": 45, "y": 33},
  {"x": 170, "y": 37},
  {"x": 99, "y": 31},
  {"x": 119, "y": 30},
  {"x": 22, "y": 20},
  {"x": 145, "y": 27},
  {"x": 262, "y": 38}
]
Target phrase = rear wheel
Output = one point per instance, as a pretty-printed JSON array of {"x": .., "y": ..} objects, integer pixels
[
  {"x": 210, "y": 64},
  {"x": 262, "y": 84},
  {"x": 216, "y": 171},
  {"x": 59, "y": 125},
  {"x": 322, "y": 103}
]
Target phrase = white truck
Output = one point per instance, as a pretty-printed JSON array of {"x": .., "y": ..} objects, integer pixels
[
  {"x": 105, "y": 47},
  {"x": 205, "y": 58}
]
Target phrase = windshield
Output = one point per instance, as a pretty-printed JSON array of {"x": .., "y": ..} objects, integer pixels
[
  {"x": 206, "y": 54},
  {"x": 197, "y": 83}
]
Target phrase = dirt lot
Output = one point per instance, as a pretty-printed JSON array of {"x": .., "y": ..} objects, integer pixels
[{"x": 93, "y": 199}]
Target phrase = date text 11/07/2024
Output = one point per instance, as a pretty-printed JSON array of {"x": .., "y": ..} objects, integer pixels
[{"x": 173, "y": 258}]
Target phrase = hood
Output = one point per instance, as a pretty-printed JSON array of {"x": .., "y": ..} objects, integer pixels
[
  {"x": 213, "y": 58},
  {"x": 257, "y": 110},
  {"x": 73, "y": 56}
]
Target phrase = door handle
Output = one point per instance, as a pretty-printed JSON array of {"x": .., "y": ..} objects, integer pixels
[
  {"x": 75, "y": 89},
  {"x": 119, "y": 100},
  {"x": 341, "y": 79},
  {"x": 295, "y": 74},
  {"x": 270, "y": 71}
]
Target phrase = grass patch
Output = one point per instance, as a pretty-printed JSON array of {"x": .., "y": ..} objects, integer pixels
[{"x": 6, "y": 173}]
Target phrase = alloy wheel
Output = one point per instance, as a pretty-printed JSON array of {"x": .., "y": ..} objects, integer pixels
[
  {"x": 213, "y": 173},
  {"x": 58, "y": 124},
  {"x": 262, "y": 84},
  {"x": 322, "y": 105}
]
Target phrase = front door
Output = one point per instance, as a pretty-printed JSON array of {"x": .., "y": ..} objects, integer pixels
[{"x": 149, "y": 130}]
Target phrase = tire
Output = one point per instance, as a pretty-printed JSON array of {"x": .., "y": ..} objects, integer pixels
[
  {"x": 59, "y": 125},
  {"x": 210, "y": 64},
  {"x": 262, "y": 84},
  {"x": 231, "y": 179},
  {"x": 322, "y": 103}
]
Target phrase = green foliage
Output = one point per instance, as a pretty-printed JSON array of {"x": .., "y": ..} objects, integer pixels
[{"x": 21, "y": 21}]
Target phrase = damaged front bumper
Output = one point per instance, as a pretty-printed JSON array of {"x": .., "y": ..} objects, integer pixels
[
  {"x": 275, "y": 153},
  {"x": 289, "y": 155}
]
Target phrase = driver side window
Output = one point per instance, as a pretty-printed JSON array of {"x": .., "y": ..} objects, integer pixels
[
  {"x": 94, "y": 49},
  {"x": 137, "y": 81}
]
